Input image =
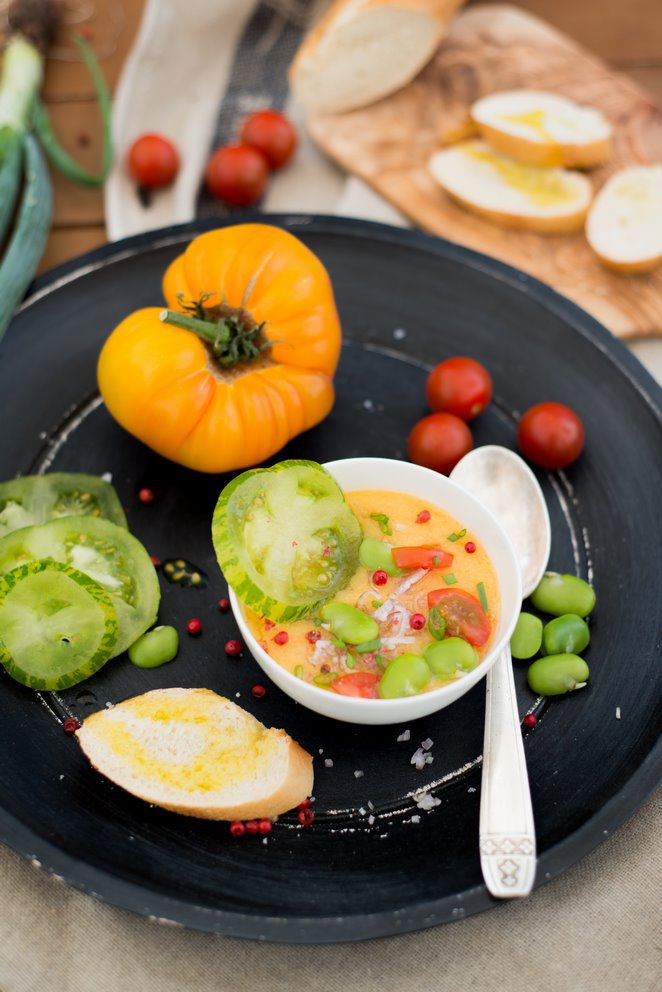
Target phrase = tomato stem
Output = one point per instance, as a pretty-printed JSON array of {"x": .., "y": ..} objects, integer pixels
[{"x": 233, "y": 338}]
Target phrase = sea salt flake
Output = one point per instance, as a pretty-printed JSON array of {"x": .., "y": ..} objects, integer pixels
[
  {"x": 427, "y": 743},
  {"x": 362, "y": 811},
  {"x": 368, "y": 405},
  {"x": 371, "y": 819},
  {"x": 426, "y": 801},
  {"x": 358, "y": 774},
  {"x": 415, "y": 818},
  {"x": 107, "y": 476},
  {"x": 404, "y": 736},
  {"x": 370, "y": 805},
  {"x": 618, "y": 712},
  {"x": 328, "y": 763},
  {"x": 399, "y": 333},
  {"x": 471, "y": 788},
  {"x": 321, "y": 751}
]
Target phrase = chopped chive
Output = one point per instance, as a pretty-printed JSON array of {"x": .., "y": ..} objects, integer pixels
[
  {"x": 317, "y": 622},
  {"x": 377, "y": 603},
  {"x": 383, "y": 521},
  {"x": 456, "y": 537},
  {"x": 326, "y": 679},
  {"x": 337, "y": 643},
  {"x": 350, "y": 660},
  {"x": 299, "y": 672},
  {"x": 482, "y": 595},
  {"x": 435, "y": 561},
  {"x": 381, "y": 662},
  {"x": 436, "y": 624},
  {"x": 368, "y": 646},
  {"x": 449, "y": 579}
]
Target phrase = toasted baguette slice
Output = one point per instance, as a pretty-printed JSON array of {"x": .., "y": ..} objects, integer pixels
[
  {"x": 624, "y": 225},
  {"x": 550, "y": 201},
  {"x": 197, "y": 753},
  {"x": 362, "y": 50},
  {"x": 543, "y": 129}
]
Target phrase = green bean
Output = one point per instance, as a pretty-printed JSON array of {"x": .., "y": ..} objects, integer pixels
[
  {"x": 559, "y": 594},
  {"x": 349, "y": 624},
  {"x": 446, "y": 657},
  {"x": 527, "y": 636},
  {"x": 376, "y": 555},
  {"x": 155, "y": 648},
  {"x": 406, "y": 675},
  {"x": 558, "y": 673},
  {"x": 569, "y": 634}
]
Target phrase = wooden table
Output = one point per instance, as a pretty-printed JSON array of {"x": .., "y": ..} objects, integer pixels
[{"x": 628, "y": 36}]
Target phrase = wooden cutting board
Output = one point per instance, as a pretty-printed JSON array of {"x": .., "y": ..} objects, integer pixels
[{"x": 488, "y": 49}]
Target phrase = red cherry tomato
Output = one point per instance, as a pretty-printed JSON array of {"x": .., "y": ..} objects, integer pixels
[
  {"x": 237, "y": 174},
  {"x": 463, "y": 613},
  {"x": 439, "y": 441},
  {"x": 461, "y": 386},
  {"x": 421, "y": 557},
  {"x": 271, "y": 133},
  {"x": 550, "y": 435},
  {"x": 363, "y": 684},
  {"x": 153, "y": 161}
]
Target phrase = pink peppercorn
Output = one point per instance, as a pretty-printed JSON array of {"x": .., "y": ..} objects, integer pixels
[
  {"x": 146, "y": 495},
  {"x": 233, "y": 648},
  {"x": 264, "y": 826},
  {"x": 251, "y": 826},
  {"x": 417, "y": 621},
  {"x": 530, "y": 720},
  {"x": 282, "y": 637},
  {"x": 259, "y": 691},
  {"x": 224, "y": 604},
  {"x": 194, "y": 627},
  {"x": 304, "y": 804},
  {"x": 156, "y": 561},
  {"x": 470, "y": 547},
  {"x": 237, "y": 829},
  {"x": 313, "y": 636},
  {"x": 305, "y": 817},
  {"x": 71, "y": 725},
  {"x": 423, "y": 517},
  {"x": 380, "y": 578}
]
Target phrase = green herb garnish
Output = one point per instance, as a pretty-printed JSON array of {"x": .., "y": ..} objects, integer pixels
[
  {"x": 456, "y": 537},
  {"x": 383, "y": 521},
  {"x": 299, "y": 671},
  {"x": 350, "y": 661},
  {"x": 337, "y": 643},
  {"x": 376, "y": 603},
  {"x": 449, "y": 579},
  {"x": 368, "y": 646},
  {"x": 326, "y": 678},
  {"x": 482, "y": 595},
  {"x": 436, "y": 624},
  {"x": 381, "y": 662}
]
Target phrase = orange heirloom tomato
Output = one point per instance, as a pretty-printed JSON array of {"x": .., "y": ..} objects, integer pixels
[{"x": 242, "y": 361}]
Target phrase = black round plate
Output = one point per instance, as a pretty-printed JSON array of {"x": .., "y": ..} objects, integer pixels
[{"x": 372, "y": 863}]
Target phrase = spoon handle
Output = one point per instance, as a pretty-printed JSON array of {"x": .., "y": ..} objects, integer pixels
[{"x": 507, "y": 832}]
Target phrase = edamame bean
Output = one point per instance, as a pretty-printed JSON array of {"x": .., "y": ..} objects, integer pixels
[
  {"x": 558, "y": 594},
  {"x": 558, "y": 673},
  {"x": 567, "y": 634},
  {"x": 406, "y": 675},
  {"x": 351, "y": 625},
  {"x": 155, "y": 648},
  {"x": 446, "y": 657},
  {"x": 527, "y": 636},
  {"x": 376, "y": 555}
]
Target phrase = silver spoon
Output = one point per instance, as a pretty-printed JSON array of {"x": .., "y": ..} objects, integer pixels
[{"x": 506, "y": 486}]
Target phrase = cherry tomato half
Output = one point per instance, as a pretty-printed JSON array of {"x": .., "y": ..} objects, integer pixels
[
  {"x": 550, "y": 435},
  {"x": 237, "y": 174},
  {"x": 421, "y": 557},
  {"x": 271, "y": 133},
  {"x": 463, "y": 613},
  {"x": 459, "y": 385},
  {"x": 439, "y": 441},
  {"x": 363, "y": 684},
  {"x": 153, "y": 161}
]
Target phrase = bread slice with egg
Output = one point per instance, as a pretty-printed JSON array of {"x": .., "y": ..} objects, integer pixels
[
  {"x": 194, "y": 752},
  {"x": 495, "y": 186},
  {"x": 363, "y": 50},
  {"x": 624, "y": 225},
  {"x": 540, "y": 128}
]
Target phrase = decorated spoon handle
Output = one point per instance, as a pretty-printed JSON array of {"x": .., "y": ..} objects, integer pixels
[{"x": 507, "y": 833}]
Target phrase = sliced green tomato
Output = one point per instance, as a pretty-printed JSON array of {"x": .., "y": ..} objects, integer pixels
[
  {"x": 57, "y": 625},
  {"x": 107, "y": 553},
  {"x": 36, "y": 499},
  {"x": 285, "y": 538}
]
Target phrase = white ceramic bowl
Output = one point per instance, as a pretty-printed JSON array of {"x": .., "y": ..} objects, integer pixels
[{"x": 385, "y": 473}]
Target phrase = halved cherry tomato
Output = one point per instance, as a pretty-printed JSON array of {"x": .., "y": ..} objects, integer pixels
[
  {"x": 461, "y": 386},
  {"x": 463, "y": 613},
  {"x": 421, "y": 557},
  {"x": 272, "y": 133},
  {"x": 362, "y": 684},
  {"x": 550, "y": 435}
]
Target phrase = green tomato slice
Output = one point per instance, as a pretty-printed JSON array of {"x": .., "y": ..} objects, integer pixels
[
  {"x": 57, "y": 625},
  {"x": 36, "y": 499},
  {"x": 107, "y": 553},
  {"x": 285, "y": 538}
]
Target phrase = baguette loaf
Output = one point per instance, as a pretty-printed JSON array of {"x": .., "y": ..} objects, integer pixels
[
  {"x": 194, "y": 752},
  {"x": 363, "y": 50},
  {"x": 624, "y": 225},
  {"x": 506, "y": 192}
]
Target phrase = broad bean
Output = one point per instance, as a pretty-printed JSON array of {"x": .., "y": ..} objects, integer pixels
[
  {"x": 567, "y": 634},
  {"x": 558, "y": 594},
  {"x": 351, "y": 625},
  {"x": 446, "y": 657},
  {"x": 558, "y": 673},
  {"x": 376, "y": 556},
  {"x": 527, "y": 636},
  {"x": 406, "y": 675},
  {"x": 155, "y": 648}
]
